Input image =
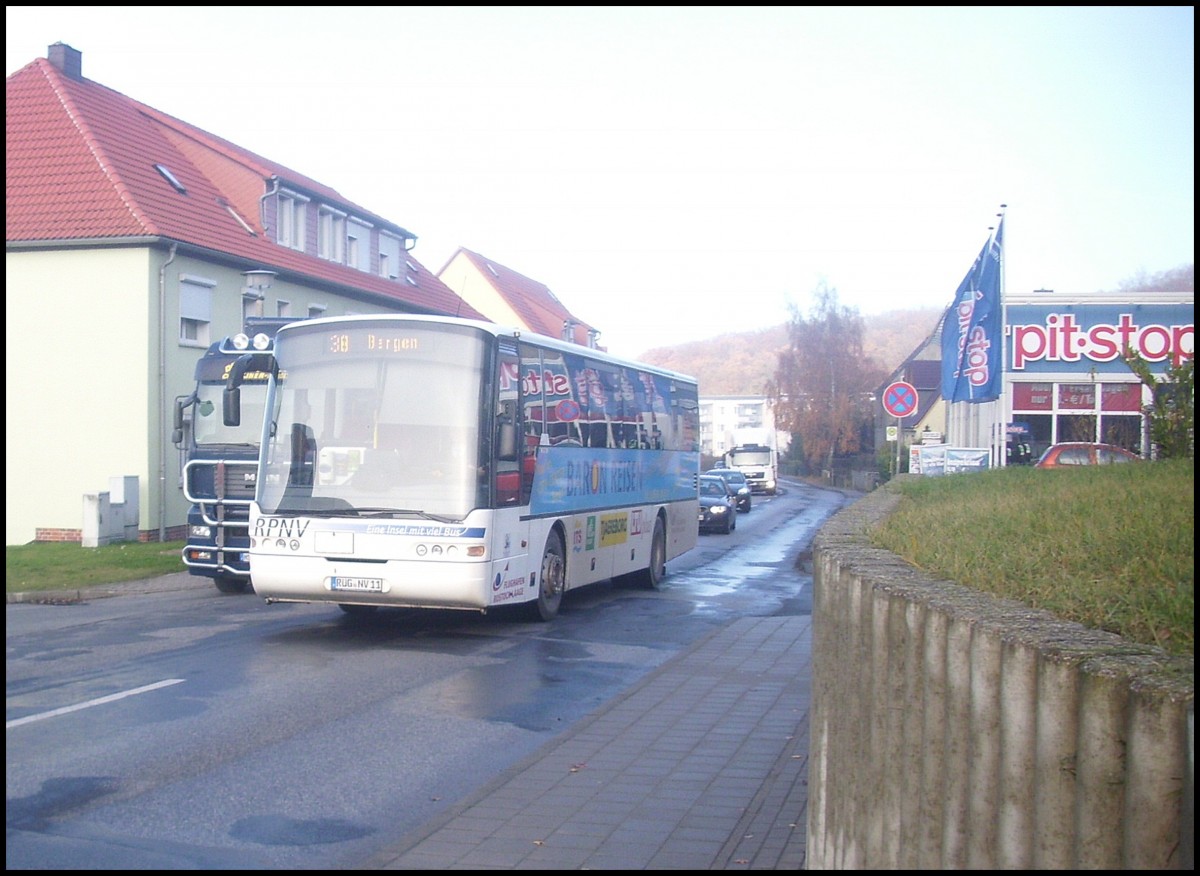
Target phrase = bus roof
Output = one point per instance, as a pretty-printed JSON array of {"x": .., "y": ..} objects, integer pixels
[{"x": 496, "y": 330}]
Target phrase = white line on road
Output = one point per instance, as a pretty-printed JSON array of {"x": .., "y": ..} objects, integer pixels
[{"x": 28, "y": 719}]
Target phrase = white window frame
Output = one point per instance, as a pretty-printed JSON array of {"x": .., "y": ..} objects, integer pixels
[
  {"x": 358, "y": 244},
  {"x": 331, "y": 234},
  {"x": 195, "y": 310},
  {"x": 390, "y": 248},
  {"x": 291, "y": 220},
  {"x": 252, "y": 305}
]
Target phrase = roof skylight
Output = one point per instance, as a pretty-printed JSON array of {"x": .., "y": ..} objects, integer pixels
[{"x": 170, "y": 177}]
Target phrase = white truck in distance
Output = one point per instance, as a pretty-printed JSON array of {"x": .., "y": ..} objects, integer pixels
[{"x": 758, "y": 462}]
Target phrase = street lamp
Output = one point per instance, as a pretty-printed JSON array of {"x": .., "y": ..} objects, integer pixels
[{"x": 258, "y": 281}]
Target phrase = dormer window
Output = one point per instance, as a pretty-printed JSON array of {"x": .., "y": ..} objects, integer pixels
[
  {"x": 358, "y": 240},
  {"x": 390, "y": 248},
  {"x": 331, "y": 234},
  {"x": 289, "y": 229}
]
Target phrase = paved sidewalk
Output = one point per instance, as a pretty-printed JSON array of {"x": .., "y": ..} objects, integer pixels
[{"x": 702, "y": 766}]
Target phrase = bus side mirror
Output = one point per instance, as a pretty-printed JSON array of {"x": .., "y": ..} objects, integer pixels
[
  {"x": 177, "y": 425},
  {"x": 231, "y": 400},
  {"x": 231, "y": 407}
]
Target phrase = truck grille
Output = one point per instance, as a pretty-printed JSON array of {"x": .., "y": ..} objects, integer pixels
[{"x": 222, "y": 481}]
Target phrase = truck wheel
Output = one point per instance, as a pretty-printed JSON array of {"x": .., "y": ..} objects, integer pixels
[
  {"x": 552, "y": 580},
  {"x": 229, "y": 584}
]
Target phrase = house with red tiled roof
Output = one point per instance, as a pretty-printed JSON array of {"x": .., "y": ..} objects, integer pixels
[
  {"x": 133, "y": 239},
  {"x": 509, "y": 298}
]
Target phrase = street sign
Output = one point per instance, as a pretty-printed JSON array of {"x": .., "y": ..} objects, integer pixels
[{"x": 900, "y": 399}]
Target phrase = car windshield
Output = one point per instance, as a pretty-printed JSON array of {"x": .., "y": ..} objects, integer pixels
[
  {"x": 712, "y": 488},
  {"x": 728, "y": 474}
]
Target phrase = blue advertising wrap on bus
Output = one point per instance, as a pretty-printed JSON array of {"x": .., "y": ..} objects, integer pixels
[{"x": 424, "y": 461}]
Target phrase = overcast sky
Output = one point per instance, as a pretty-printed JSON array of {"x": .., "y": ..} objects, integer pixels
[{"x": 674, "y": 173}]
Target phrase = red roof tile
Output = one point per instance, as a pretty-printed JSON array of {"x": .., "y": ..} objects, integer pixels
[
  {"x": 80, "y": 167},
  {"x": 537, "y": 306}
]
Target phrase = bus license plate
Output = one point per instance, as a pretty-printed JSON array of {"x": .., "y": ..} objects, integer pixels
[{"x": 359, "y": 585}]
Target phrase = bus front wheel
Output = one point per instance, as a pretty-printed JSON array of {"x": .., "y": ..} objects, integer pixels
[{"x": 553, "y": 579}]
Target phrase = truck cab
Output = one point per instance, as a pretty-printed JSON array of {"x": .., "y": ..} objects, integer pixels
[
  {"x": 220, "y": 466},
  {"x": 758, "y": 463}
]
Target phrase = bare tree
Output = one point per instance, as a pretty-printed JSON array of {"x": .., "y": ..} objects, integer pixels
[{"x": 823, "y": 380}]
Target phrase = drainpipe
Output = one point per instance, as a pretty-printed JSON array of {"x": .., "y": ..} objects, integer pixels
[
  {"x": 162, "y": 395},
  {"x": 262, "y": 210}
]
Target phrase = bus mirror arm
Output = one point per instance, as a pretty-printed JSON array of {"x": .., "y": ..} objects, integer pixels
[
  {"x": 181, "y": 402},
  {"x": 232, "y": 398}
]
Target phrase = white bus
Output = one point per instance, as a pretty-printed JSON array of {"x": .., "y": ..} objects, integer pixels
[{"x": 436, "y": 462}]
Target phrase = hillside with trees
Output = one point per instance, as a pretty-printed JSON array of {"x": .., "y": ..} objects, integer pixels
[{"x": 745, "y": 363}]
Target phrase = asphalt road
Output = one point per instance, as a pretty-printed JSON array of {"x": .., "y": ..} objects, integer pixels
[{"x": 177, "y": 728}]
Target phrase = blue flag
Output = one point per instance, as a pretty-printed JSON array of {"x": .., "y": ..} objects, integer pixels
[{"x": 971, "y": 330}]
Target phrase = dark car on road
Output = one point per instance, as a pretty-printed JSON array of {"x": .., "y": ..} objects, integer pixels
[
  {"x": 1072, "y": 453},
  {"x": 718, "y": 513},
  {"x": 737, "y": 481}
]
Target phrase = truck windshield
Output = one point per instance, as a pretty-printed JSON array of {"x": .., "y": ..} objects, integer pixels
[
  {"x": 752, "y": 457},
  {"x": 371, "y": 423},
  {"x": 208, "y": 424}
]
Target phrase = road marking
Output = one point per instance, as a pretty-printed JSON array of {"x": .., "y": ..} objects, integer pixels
[{"x": 29, "y": 719}]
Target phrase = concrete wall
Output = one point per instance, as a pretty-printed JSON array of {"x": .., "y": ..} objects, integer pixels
[{"x": 951, "y": 730}]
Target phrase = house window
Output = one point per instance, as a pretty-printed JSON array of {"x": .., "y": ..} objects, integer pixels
[
  {"x": 331, "y": 234},
  {"x": 389, "y": 255},
  {"x": 283, "y": 308},
  {"x": 290, "y": 221},
  {"x": 358, "y": 244},
  {"x": 195, "y": 311},
  {"x": 315, "y": 310}
]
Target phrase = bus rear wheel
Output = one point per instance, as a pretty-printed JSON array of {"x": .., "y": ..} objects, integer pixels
[
  {"x": 652, "y": 576},
  {"x": 553, "y": 579}
]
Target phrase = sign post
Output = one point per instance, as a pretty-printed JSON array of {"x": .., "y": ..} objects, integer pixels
[{"x": 900, "y": 400}]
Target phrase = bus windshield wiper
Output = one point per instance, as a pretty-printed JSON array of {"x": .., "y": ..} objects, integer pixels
[{"x": 405, "y": 512}]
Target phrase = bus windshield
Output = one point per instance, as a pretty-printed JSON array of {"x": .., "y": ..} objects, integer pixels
[{"x": 377, "y": 420}]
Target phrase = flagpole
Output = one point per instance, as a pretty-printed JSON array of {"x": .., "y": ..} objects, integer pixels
[{"x": 1005, "y": 398}]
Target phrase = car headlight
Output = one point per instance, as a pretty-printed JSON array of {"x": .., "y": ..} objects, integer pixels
[{"x": 718, "y": 509}]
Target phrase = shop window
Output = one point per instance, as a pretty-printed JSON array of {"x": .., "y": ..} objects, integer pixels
[
  {"x": 1078, "y": 397},
  {"x": 1121, "y": 397},
  {"x": 1076, "y": 427}
]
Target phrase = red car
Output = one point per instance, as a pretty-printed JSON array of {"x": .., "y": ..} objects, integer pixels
[{"x": 1074, "y": 453}]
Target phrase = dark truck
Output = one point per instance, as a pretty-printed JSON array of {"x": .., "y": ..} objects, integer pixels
[{"x": 221, "y": 461}]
